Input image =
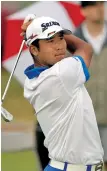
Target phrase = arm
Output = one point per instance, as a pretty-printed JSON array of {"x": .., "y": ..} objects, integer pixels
[{"x": 79, "y": 47}]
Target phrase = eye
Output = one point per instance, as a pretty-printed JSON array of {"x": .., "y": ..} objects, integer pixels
[
  {"x": 50, "y": 41},
  {"x": 61, "y": 38}
]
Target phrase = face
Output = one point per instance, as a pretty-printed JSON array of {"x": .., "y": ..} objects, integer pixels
[
  {"x": 51, "y": 50},
  {"x": 94, "y": 13}
]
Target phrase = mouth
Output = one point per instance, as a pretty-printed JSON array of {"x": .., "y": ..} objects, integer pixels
[{"x": 60, "y": 54}]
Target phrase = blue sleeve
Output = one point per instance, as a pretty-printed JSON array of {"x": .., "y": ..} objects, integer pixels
[{"x": 85, "y": 69}]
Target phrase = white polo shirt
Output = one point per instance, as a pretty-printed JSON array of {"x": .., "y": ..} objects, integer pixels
[{"x": 64, "y": 110}]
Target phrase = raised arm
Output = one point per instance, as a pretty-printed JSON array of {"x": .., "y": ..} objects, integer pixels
[{"x": 80, "y": 48}]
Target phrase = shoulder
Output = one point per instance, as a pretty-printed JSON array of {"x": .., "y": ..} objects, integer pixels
[
  {"x": 73, "y": 67},
  {"x": 70, "y": 60},
  {"x": 69, "y": 64}
]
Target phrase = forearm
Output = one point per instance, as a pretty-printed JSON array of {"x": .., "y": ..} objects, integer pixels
[
  {"x": 74, "y": 43},
  {"x": 79, "y": 47}
]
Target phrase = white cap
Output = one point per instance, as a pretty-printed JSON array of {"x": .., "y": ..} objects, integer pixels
[{"x": 43, "y": 28}]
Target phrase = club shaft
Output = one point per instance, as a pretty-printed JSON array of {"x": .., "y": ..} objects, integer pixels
[{"x": 17, "y": 59}]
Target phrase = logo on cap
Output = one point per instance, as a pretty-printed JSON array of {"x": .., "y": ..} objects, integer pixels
[
  {"x": 51, "y": 33},
  {"x": 32, "y": 36},
  {"x": 49, "y": 24}
]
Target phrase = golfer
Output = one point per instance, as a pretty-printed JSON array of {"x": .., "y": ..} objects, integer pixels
[{"x": 55, "y": 87}]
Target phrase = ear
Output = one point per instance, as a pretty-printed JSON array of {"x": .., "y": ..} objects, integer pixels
[{"x": 34, "y": 50}]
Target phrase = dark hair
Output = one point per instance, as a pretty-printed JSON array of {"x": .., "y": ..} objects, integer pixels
[
  {"x": 35, "y": 43},
  {"x": 89, "y": 3}
]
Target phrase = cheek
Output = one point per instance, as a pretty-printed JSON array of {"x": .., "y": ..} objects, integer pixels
[
  {"x": 45, "y": 50},
  {"x": 96, "y": 13},
  {"x": 92, "y": 13},
  {"x": 102, "y": 11},
  {"x": 47, "y": 53}
]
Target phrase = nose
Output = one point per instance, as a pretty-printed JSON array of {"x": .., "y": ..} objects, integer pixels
[{"x": 58, "y": 45}]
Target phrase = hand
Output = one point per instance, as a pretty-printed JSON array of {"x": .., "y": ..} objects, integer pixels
[{"x": 26, "y": 23}]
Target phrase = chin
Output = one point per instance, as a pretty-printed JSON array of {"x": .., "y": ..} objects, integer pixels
[{"x": 60, "y": 57}]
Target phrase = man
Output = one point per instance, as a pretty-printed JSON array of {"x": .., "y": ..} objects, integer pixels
[
  {"x": 94, "y": 31},
  {"x": 55, "y": 87}
]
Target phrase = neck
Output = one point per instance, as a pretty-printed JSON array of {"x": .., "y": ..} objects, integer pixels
[
  {"x": 42, "y": 65},
  {"x": 94, "y": 28},
  {"x": 37, "y": 63}
]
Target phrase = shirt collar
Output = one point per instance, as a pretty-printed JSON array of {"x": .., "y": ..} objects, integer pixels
[{"x": 33, "y": 71}]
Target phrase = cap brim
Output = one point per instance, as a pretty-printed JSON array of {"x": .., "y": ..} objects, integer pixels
[
  {"x": 50, "y": 32},
  {"x": 66, "y": 31}
]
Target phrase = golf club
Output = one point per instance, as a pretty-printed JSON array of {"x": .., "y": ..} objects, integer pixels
[{"x": 4, "y": 113}]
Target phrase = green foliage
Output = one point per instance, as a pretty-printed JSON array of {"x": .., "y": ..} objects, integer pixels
[{"x": 19, "y": 161}]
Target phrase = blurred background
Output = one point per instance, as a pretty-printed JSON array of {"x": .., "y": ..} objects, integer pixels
[{"x": 21, "y": 150}]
